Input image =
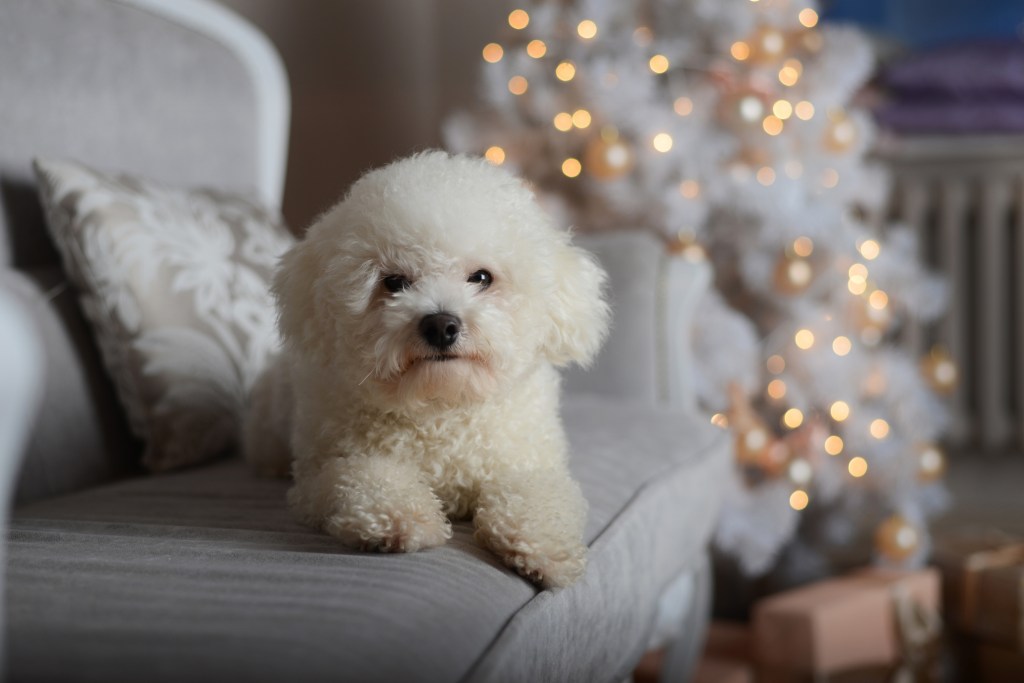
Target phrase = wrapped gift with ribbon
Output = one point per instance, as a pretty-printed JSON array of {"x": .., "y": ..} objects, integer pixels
[
  {"x": 872, "y": 625},
  {"x": 984, "y": 586}
]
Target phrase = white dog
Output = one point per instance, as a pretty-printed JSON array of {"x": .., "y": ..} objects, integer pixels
[{"x": 423, "y": 319}]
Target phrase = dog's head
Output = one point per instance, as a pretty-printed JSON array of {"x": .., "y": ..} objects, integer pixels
[{"x": 438, "y": 278}]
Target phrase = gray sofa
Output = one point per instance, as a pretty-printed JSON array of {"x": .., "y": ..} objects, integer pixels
[{"x": 116, "y": 575}]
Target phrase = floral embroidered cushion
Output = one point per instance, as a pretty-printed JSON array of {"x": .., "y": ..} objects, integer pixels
[{"x": 176, "y": 286}]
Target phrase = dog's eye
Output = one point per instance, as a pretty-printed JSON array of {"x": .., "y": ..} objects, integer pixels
[
  {"x": 482, "y": 278},
  {"x": 396, "y": 283}
]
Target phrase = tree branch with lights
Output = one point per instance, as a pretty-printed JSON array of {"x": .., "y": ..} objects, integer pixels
[{"x": 726, "y": 128}]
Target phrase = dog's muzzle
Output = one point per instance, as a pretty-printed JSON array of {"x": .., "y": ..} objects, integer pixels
[{"x": 440, "y": 330}]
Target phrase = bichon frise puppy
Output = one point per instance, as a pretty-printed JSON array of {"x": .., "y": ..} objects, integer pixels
[{"x": 423, "y": 318}]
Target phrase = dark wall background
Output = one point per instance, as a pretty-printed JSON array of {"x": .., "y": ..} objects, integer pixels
[{"x": 929, "y": 23}]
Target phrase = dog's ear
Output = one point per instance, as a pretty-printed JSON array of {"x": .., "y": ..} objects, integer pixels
[
  {"x": 304, "y": 312},
  {"x": 577, "y": 310}
]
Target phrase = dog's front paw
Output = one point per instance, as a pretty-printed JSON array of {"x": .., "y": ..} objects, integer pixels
[
  {"x": 556, "y": 570},
  {"x": 394, "y": 531}
]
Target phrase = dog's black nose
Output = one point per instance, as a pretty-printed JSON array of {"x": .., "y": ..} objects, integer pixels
[{"x": 440, "y": 330}]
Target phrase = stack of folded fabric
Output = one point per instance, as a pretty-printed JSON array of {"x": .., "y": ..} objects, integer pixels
[{"x": 973, "y": 88}]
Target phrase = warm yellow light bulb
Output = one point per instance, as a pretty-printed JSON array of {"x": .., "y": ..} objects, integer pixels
[
  {"x": 662, "y": 142},
  {"x": 517, "y": 85},
  {"x": 793, "y": 418},
  {"x": 766, "y": 175},
  {"x": 808, "y": 17},
  {"x": 879, "y": 428},
  {"x": 841, "y": 345},
  {"x": 857, "y": 285},
  {"x": 772, "y": 124},
  {"x": 804, "y": 339},
  {"x": 720, "y": 420},
  {"x": 840, "y": 410},
  {"x": 658, "y": 64},
  {"x": 586, "y": 29},
  {"x": 495, "y": 155},
  {"x": 789, "y": 75},
  {"x": 798, "y": 500},
  {"x": 518, "y": 19},
  {"x": 858, "y": 270},
  {"x": 776, "y": 389},
  {"x": 565, "y": 71},
  {"x": 804, "y": 110},
  {"x": 869, "y": 249},
  {"x": 783, "y": 109},
  {"x": 878, "y": 300},
  {"x": 776, "y": 364},
  {"x": 493, "y": 53},
  {"x": 683, "y": 106},
  {"x": 536, "y": 49},
  {"x": 571, "y": 167},
  {"x": 689, "y": 189},
  {"x": 857, "y": 467},
  {"x": 581, "y": 118},
  {"x": 563, "y": 121},
  {"x": 834, "y": 445},
  {"x": 803, "y": 246},
  {"x": 740, "y": 51}
]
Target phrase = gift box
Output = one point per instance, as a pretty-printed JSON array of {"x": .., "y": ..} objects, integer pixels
[
  {"x": 872, "y": 620},
  {"x": 983, "y": 577},
  {"x": 727, "y": 657}
]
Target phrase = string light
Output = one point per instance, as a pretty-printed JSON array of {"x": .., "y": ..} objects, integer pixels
[
  {"x": 789, "y": 75},
  {"x": 804, "y": 339},
  {"x": 683, "y": 106},
  {"x": 571, "y": 167},
  {"x": 689, "y": 188},
  {"x": 581, "y": 118},
  {"x": 793, "y": 418},
  {"x": 869, "y": 249},
  {"x": 642, "y": 36},
  {"x": 841, "y": 345},
  {"x": 829, "y": 178},
  {"x": 563, "y": 121},
  {"x": 517, "y": 85},
  {"x": 772, "y": 124},
  {"x": 878, "y": 300},
  {"x": 808, "y": 17},
  {"x": 776, "y": 364},
  {"x": 800, "y": 471},
  {"x": 565, "y": 71},
  {"x": 834, "y": 445},
  {"x": 798, "y": 500},
  {"x": 804, "y": 110},
  {"x": 720, "y": 420},
  {"x": 495, "y": 155},
  {"x": 803, "y": 246},
  {"x": 783, "y": 109},
  {"x": 518, "y": 19},
  {"x": 857, "y": 467},
  {"x": 859, "y": 271},
  {"x": 586, "y": 29},
  {"x": 493, "y": 53},
  {"x": 662, "y": 142},
  {"x": 766, "y": 175},
  {"x": 740, "y": 51},
  {"x": 536, "y": 49},
  {"x": 840, "y": 410},
  {"x": 776, "y": 389},
  {"x": 879, "y": 428},
  {"x": 658, "y": 64},
  {"x": 857, "y": 286}
]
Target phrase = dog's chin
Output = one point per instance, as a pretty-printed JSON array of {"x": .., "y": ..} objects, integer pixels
[{"x": 444, "y": 379}]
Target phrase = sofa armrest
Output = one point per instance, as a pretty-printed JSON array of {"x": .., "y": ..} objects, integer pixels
[
  {"x": 654, "y": 296},
  {"x": 21, "y": 367}
]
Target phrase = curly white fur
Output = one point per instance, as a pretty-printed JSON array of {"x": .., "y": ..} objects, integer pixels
[{"x": 389, "y": 441}]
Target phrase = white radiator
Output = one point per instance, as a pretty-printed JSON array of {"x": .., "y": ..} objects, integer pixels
[{"x": 965, "y": 198}]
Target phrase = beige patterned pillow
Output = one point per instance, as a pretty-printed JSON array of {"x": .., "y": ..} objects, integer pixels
[{"x": 175, "y": 284}]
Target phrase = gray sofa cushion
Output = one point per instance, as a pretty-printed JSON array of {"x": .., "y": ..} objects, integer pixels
[{"x": 203, "y": 575}]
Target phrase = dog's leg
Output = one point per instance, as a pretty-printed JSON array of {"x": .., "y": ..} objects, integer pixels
[
  {"x": 534, "y": 521},
  {"x": 370, "y": 502}
]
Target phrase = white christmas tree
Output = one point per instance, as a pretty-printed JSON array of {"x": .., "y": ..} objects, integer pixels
[{"x": 726, "y": 127}]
